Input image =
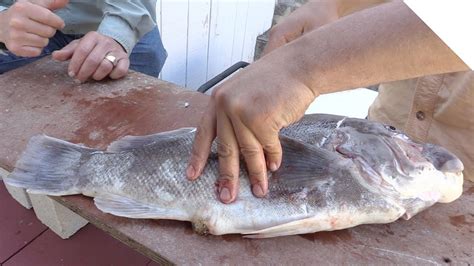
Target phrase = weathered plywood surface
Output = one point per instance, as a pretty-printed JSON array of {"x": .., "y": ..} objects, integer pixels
[{"x": 41, "y": 98}]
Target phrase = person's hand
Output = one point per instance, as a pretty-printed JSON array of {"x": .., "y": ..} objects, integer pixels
[
  {"x": 25, "y": 27},
  {"x": 308, "y": 17},
  {"x": 246, "y": 114},
  {"x": 88, "y": 60}
]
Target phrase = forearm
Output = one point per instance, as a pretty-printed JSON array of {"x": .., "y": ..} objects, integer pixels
[
  {"x": 347, "y": 7},
  {"x": 341, "y": 8},
  {"x": 385, "y": 43}
]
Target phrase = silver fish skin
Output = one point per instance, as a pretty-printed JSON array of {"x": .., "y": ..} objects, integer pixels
[{"x": 336, "y": 172}]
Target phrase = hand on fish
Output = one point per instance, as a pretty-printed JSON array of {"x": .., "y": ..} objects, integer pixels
[{"x": 246, "y": 118}]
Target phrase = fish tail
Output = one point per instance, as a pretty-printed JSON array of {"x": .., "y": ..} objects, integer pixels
[{"x": 50, "y": 166}]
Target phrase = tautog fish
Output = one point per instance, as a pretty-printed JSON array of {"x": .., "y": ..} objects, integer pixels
[{"x": 336, "y": 172}]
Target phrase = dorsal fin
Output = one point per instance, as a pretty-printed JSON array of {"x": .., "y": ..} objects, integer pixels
[{"x": 129, "y": 143}]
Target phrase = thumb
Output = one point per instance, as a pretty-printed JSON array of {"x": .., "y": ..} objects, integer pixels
[{"x": 51, "y": 4}]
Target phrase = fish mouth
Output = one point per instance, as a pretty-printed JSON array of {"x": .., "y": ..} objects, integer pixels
[
  {"x": 441, "y": 159},
  {"x": 437, "y": 172}
]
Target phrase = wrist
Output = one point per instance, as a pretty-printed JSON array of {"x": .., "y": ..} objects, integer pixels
[
  {"x": 297, "y": 65},
  {"x": 121, "y": 46},
  {"x": 118, "y": 29},
  {"x": 286, "y": 69}
]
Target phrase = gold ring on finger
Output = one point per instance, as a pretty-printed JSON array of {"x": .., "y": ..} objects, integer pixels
[{"x": 112, "y": 59}]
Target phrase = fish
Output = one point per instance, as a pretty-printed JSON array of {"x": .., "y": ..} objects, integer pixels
[{"x": 337, "y": 172}]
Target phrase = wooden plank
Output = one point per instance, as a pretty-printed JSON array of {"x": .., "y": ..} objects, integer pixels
[
  {"x": 267, "y": 16},
  {"x": 259, "y": 19},
  {"x": 448, "y": 228},
  {"x": 198, "y": 40},
  {"x": 174, "y": 17},
  {"x": 41, "y": 98},
  {"x": 158, "y": 22},
  {"x": 221, "y": 36},
  {"x": 158, "y": 14},
  {"x": 204, "y": 37},
  {"x": 239, "y": 30}
]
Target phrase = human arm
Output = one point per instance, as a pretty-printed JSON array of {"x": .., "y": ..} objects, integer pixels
[
  {"x": 26, "y": 26},
  {"x": 312, "y": 15},
  {"x": 123, "y": 24},
  {"x": 384, "y": 43}
]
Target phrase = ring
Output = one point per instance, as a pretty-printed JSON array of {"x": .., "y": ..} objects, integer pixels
[{"x": 112, "y": 59}]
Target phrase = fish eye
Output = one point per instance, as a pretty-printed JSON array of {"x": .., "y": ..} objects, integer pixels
[{"x": 389, "y": 127}]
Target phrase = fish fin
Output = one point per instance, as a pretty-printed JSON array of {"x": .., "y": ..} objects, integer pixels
[
  {"x": 126, "y": 207},
  {"x": 302, "y": 226},
  {"x": 303, "y": 164},
  {"x": 129, "y": 143},
  {"x": 49, "y": 166}
]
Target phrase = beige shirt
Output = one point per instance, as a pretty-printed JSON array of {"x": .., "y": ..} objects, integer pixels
[{"x": 438, "y": 109}]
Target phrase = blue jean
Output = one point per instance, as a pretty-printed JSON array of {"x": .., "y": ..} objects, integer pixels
[{"x": 148, "y": 56}]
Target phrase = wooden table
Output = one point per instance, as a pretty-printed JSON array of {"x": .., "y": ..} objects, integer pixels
[{"x": 41, "y": 98}]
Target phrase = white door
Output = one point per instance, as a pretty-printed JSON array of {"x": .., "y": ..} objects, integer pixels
[{"x": 204, "y": 37}]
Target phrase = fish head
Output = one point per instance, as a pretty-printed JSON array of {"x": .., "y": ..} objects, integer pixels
[{"x": 389, "y": 159}]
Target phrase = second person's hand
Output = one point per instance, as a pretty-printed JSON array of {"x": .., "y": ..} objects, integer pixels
[
  {"x": 28, "y": 25},
  {"x": 246, "y": 114},
  {"x": 88, "y": 60},
  {"x": 308, "y": 17}
]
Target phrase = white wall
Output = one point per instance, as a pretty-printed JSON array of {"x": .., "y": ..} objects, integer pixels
[{"x": 204, "y": 37}]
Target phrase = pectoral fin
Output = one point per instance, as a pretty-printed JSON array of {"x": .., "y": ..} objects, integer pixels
[{"x": 303, "y": 164}]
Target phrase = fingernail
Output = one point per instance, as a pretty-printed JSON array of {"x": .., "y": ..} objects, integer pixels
[
  {"x": 273, "y": 167},
  {"x": 71, "y": 74},
  {"x": 190, "y": 172},
  {"x": 77, "y": 81},
  {"x": 224, "y": 194},
  {"x": 258, "y": 191}
]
